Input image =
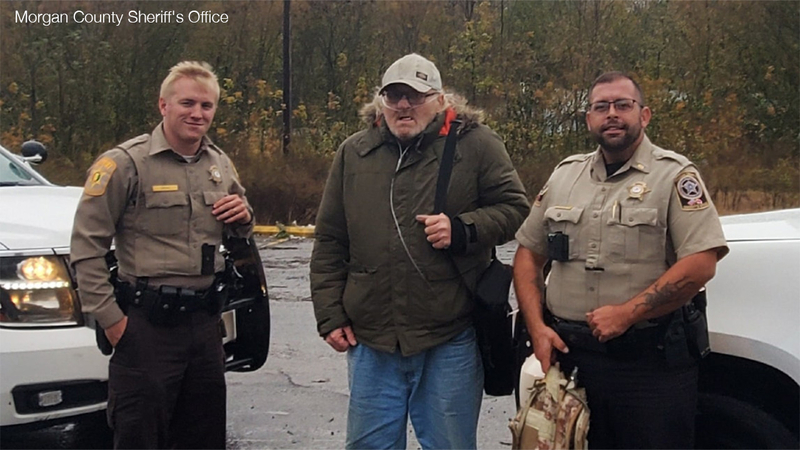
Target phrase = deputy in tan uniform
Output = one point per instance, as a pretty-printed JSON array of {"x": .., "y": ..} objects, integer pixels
[
  {"x": 166, "y": 199},
  {"x": 632, "y": 236}
]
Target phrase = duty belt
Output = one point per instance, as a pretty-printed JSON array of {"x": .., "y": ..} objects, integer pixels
[
  {"x": 629, "y": 345},
  {"x": 166, "y": 305}
]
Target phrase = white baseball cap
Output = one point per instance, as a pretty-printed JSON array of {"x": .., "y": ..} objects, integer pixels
[{"x": 415, "y": 71}]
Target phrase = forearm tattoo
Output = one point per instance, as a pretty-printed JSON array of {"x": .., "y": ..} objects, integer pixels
[{"x": 666, "y": 294}]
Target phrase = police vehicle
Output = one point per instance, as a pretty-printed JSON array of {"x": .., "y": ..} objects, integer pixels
[{"x": 51, "y": 369}]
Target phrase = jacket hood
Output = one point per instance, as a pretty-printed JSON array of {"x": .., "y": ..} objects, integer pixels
[{"x": 37, "y": 217}]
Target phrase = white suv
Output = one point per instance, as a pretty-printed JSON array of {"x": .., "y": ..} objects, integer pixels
[{"x": 51, "y": 369}]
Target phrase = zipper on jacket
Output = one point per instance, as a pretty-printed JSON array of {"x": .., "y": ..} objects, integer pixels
[{"x": 403, "y": 153}]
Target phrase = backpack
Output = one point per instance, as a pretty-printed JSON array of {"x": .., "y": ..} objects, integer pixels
[{"x": 554, "y": 416}]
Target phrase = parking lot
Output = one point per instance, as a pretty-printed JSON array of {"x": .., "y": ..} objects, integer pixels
[{"x": 299, "y": 398}]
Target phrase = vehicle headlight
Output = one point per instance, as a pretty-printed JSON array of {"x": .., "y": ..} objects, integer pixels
[{"x": 37, "y": 291}]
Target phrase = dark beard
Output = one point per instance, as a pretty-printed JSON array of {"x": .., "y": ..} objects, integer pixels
[{"x": 616, "y": 146}]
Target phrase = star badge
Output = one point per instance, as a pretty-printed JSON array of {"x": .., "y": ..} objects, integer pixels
[
  {"x": 216, "y": 176},
  {"x": 637, "y": 190}
]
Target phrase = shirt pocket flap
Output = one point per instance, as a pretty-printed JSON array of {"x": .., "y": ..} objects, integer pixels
[
  {"x": 563, "y": 214},
  {"x": 211, "y": 197},
  {"x": 639, "y": 216},
  {"x": 165, "y": 199}
]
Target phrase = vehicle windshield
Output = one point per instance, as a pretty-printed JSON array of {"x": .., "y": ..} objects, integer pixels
[{"x": 14, "y": 173}]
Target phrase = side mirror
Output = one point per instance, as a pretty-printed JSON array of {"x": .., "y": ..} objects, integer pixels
[{"x": 34, "y": 152}]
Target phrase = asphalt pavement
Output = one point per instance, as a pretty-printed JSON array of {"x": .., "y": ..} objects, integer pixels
[{"x": 298, "y": 400}]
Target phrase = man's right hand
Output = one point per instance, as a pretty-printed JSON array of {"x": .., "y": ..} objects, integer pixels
[
  {"x": 341, "y": 339},
  {"x": 114, "y": 332},
  {"x": 544, "y": 341}
]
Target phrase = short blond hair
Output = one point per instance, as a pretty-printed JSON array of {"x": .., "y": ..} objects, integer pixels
[{"x": 200, "y": 71}]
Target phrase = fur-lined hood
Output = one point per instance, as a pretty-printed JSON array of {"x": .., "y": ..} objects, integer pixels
[{"x": 470, "y": 117}]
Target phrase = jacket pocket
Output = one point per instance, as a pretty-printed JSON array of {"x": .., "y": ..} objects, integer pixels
[
  {"x": 442, "y": 297},
  {"x": 165, "y": 213},
  {"x": 634, "y": 232},
  {"x": 358, "y": 298}
]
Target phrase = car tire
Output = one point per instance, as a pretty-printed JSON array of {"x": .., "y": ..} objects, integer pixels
[{"x": 726, "y": 422}]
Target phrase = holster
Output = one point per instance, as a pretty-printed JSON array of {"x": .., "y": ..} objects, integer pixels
[
  {"x": 686, "y": 340},
  {"x": 102, "y": 340}
]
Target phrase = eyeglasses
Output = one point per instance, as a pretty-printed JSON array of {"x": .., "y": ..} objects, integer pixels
[
  {"x": 392, "y": 98},
  {"x": 621, "y": 105}
]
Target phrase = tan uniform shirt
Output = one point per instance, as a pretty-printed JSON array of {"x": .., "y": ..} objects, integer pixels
[
  {"x": 624, "y": 231},
  {"x": 157, "y": 209}
]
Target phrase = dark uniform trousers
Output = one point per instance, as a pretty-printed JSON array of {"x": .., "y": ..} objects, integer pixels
[
  {"x": 166, "y": 385},
  {"x": 636, "y": 403}
]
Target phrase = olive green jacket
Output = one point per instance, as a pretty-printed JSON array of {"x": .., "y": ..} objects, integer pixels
[{"x": 362, "y": 273}]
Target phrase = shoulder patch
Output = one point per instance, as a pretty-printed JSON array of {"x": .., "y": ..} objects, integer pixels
[
  {"x": 99, "y": 176},
  {"x": 538, "y": 200},
  {"x": 690, "y": 191}
]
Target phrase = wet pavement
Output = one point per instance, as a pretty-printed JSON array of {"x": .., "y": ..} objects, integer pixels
[{"x": 298, "y": 400}]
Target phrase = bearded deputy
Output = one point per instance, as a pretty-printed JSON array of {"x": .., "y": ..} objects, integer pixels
[{"x": 632, "y": 236}]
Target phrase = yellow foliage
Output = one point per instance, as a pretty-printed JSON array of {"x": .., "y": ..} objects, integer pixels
[
  {"x": 300, "y": 112},
  {"x": 262, "y": 88},
  {"x": 341, "y": 60}
]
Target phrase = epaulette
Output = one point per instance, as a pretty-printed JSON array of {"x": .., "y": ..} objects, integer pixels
[
  {"x": 214, "y": 147},
  {"x": 660, "y": 153},
  {"x": 131, "y": 142},
  {"x": 574, "y": 158}
]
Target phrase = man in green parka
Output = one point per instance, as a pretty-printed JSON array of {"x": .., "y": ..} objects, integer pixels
[{"x": 383, "y": 284}]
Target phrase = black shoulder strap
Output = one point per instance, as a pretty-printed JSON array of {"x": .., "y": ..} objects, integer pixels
[{"x": 445, "y": 168}]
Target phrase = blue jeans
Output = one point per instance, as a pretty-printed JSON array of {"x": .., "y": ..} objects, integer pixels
[{"x": 440, "y": 389}]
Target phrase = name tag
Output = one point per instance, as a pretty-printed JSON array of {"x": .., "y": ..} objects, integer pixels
[{"x": 165, "y": 188}]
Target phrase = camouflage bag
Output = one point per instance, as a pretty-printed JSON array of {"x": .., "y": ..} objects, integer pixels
[{"x": 554, "y": 416}]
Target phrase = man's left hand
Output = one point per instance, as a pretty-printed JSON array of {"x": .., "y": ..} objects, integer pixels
[
  {"x": 230, "y": 209},
  {"x": 608, "y": 322},
  {"x": 438, "y": 230}
]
